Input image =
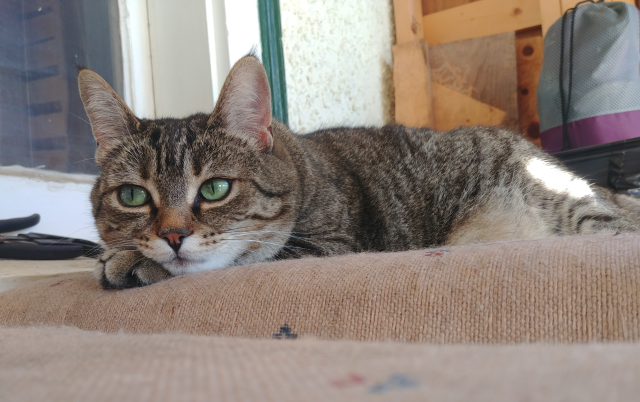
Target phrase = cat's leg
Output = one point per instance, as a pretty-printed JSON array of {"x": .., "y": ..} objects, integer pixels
[
  {"x": 120, "y": 269},
  {"x": 604, "y": 212},
  {"x": 512, "y": 218},
  {"x": 499, "y": 221}
]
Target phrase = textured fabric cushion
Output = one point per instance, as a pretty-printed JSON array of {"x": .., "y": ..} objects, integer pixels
[
  {"x": 574, "y": 289},
  {"x": 52, "y": 364}
]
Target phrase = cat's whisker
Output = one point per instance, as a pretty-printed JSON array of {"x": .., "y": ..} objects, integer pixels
[
  {"x": 73, "y": 114},
  {"x": 273, "y": 224},
  {"x": 83, "y": 228},
  {"x": 284, "y": 233},
  {"x": 123, "y": 244},
  {"x": 270, "y": 246},
  {"x": 65, "y": 238},
  {"x": 274, "y": 231},
  {"x": 274, "y": 244},
  {"x": 122, "y": 248}
]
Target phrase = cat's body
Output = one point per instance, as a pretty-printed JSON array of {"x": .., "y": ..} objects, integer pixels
[
  {"x": 395, "y": 188},
  {"x": 331, "y": 192}
]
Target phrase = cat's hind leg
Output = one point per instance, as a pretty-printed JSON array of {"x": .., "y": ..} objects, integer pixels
[
  {"x": 602, "y": 212},
  {"x": 513, "y": 218},
  {"x": 495, "y": 221}
]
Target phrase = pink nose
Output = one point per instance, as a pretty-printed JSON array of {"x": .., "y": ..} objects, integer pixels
[{"x": 175, "y": 238}]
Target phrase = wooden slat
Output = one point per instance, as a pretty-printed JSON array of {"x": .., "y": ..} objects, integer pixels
[
  {"x": 408, "y": 18},
  {"x": 529, "y": 50},
  {"x": 482, "y": 18},
  {"x": 454, "y": 109},
  {"x": 434, "y": 6},
  {"x": 488, "y": 17},
  {"x": 412, "y": 83},
  {"x": 484, "y": 69},
  {"x": 550, "y": 11}
]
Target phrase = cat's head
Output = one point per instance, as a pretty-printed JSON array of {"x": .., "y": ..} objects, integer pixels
[{"x": 203, "y": 192}]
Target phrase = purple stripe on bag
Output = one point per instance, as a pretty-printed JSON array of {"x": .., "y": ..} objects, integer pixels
[{"x": 593, "y": 131}]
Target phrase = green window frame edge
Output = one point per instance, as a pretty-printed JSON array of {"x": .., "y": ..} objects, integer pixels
[{"x": 273, "y": 56}]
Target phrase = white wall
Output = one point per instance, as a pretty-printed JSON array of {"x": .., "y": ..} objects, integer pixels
[
  {"x": 61, "y": 199},
  {"x": 338, "y": 62}
]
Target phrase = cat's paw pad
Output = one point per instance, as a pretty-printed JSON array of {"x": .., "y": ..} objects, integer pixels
[{"x": 117, "y": 269}]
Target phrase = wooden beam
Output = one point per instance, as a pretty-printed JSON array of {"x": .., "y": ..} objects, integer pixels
[
  {"x": 550, "y": 11},
  {"x": 482, "y": 18},
  {"x": 489, "y": 17},
  {"x": 412, "y": 81},
  {"x": 529, "y": 50},
  {"x": 435, "y": 6},
  {"x": 454, "y": 109},
  {"x": 408, "y": 18}
]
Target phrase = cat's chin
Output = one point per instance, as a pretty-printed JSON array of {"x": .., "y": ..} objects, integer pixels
[
  {"x": 192, "y": 258},
  {"x": 182, "y": 266}
]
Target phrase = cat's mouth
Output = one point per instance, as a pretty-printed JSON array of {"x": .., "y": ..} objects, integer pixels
[
  {"x": 192, "y": 257},
  {"x": 180, "y": 260}
]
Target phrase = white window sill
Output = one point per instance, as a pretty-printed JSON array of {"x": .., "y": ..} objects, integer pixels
[{"x": 61, "y": 199}]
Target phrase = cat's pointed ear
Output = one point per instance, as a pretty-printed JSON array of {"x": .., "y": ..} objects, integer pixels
[
  {"x": 244, "y": 105},
  {"x": 109, "y": 116}
]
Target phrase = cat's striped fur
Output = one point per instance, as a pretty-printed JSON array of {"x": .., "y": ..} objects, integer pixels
[{"x": 335, "y": 191}]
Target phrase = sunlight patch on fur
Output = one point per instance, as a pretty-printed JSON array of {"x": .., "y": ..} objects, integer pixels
[{"x": 558, "y": 180}]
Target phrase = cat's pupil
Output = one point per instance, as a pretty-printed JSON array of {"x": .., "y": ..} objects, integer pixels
[
  {"x": 133, "y": 196},
  {"x": 215, "y": 189}
]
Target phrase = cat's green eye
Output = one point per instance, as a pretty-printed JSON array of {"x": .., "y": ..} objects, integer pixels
[
  {"x": 215, "y": 189},
  {"x": 133, "y": 196}
]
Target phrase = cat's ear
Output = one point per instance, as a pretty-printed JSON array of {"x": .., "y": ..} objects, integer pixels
[
  {"x": 244, "y": 105},
  {"x": 109, "y": 116}
]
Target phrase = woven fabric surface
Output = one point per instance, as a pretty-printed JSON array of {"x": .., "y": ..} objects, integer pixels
[
  {"x": 63, "y": 364},
  {"x": 573, "y": 289}
]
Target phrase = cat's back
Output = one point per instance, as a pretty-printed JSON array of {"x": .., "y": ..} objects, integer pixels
[
  {"x": 410, "y": 186},
  {"x": 390, "y": 148}
]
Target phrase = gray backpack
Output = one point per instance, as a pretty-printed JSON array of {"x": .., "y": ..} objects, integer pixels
[{"x": 589, "y": 88}]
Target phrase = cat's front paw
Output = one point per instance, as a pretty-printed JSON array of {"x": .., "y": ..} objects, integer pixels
[{"x": 120, "y": 269}]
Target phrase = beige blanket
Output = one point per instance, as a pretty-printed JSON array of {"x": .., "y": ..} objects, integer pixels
[
  {"x": 578, "y": 289},
  {"x": 50, "y": 364}
]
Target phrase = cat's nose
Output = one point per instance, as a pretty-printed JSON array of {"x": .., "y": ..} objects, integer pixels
[{"x": 174, "y": 237}]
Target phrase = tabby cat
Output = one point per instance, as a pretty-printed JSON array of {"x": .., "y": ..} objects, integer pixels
[{"x": 177, "y": 196}]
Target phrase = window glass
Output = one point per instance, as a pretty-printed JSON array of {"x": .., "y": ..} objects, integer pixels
[{"x": 42, "y": 120}]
